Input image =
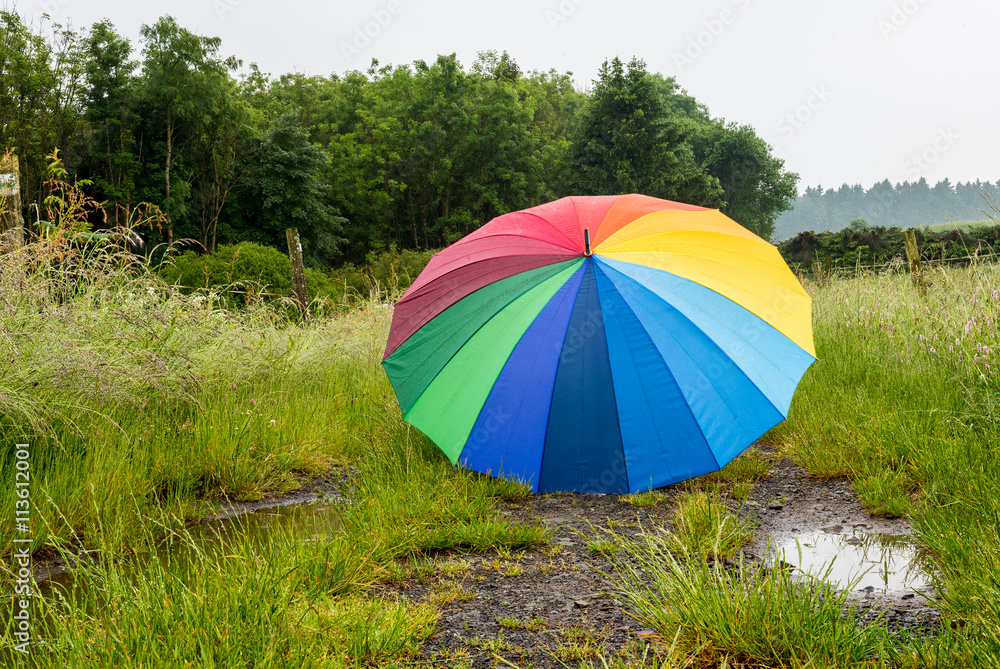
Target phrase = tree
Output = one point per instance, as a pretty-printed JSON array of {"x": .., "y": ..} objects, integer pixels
[
  {"x": 755, "y": 186},
  {"x": 217, "y": 170},
  {"x": 625, "y": 141},
  {"x": 111, "y": 115},
  {"x": 185, "y": 82},
  {"x": 28, "y": 101},
  {"x": 287, "y": 177}
]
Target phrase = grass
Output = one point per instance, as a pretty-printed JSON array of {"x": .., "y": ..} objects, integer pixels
[
  {"x": 903, "y": 400},
  {"x": 704, "y": 527},
  {"x": 645, "y": 499},
  {"x": 964, "y": 226},
  {"x": 143, "y": 408},
  {"x": 516, "y": 623},
  {"x": 746, "y": 616},
  {"x": 577, "y": 644},
  {"x": 273, "y": 601}
]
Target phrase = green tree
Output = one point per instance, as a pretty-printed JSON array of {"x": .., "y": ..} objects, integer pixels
[
  {"x": 111, "y": 116},
  {"x": 185, "y": 82},
  {"x": 626, "y": 141},
  {"x": 218, "y": 170},
  {"x": 39, "y": 98},
  {"x": 755, "y": 186},
  {"x": 287, "y": 178}
]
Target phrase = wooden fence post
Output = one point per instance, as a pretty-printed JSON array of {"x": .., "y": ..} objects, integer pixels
[
  {"x": 10, "y": 197},
  {"x": 298, "y": 269},
  {"x": 913, "y": 255}
]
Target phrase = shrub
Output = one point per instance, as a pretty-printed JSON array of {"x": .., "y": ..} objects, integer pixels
[
  {"x": 390, "y": 272},
  {"x": 245, "y": 266}
]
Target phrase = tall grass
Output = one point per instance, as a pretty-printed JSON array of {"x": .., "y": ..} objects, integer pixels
[
  {"x": 750, "y": 616},
  {"x": 144, "y": 407},
  {"x": 904, "y": 400},
  {"x": 131, "y": 395}
]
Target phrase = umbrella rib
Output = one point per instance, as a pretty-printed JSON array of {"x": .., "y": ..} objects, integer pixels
[
  {"x": 421, "y": 290},
  {"x": 666, "y": 368},
  {"x": 709, "y": 337},
  {"x": 507, "y": 233},
  {"x": 728, "y": 283},
  {"x": 573, "y": 246}
]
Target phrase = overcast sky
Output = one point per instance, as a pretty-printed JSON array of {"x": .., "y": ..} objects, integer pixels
[{"x": 850, "y": 91}]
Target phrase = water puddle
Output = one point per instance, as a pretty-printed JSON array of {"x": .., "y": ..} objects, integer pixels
[
  {"x": 305, "y": 522},
  {"x": 841, "y": 556},
  {"x": 296, "y": 522}
]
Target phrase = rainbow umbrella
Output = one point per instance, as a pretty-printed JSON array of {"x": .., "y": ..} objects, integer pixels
[{"x": 600, "y": 344}]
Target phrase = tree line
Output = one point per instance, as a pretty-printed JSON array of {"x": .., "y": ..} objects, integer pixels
[
  {"x": 399, "y": 156},
  {"x": 903, "y": 205}
]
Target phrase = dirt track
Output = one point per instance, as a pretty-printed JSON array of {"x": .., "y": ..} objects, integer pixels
[{"x": 565, "y": 598}]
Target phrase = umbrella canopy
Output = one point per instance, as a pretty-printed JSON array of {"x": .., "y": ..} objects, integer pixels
[{"x": 600, "y": 344}]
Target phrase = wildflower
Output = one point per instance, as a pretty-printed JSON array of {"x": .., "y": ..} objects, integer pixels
[
  {"x": 951, "y": 348},
  {"x": 232, "y": 387},
  {"x": 968, "y": 326},
  {"x": 274, "y": 422},
  {"x": 996, "y": 294},
  {"x": 253, "y": 401},
  {"x": 975, "y": 358},
  {"x": 932, "y": 349}
]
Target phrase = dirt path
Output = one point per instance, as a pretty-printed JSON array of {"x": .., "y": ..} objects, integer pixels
[{"x": 551, "y": 607}]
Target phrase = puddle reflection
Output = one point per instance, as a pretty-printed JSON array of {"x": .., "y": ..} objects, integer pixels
[
  {"x": 215, "y": 538},
  {"x": 885, "y": 562}
]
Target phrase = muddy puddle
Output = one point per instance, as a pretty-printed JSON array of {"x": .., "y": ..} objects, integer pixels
[
  {"x": 305, "y": 521},
  {"x": 294, "y": 520},
  {"x": 858, "y": 559}
]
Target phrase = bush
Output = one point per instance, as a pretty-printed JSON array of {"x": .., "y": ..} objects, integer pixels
[
  {"x": 390, "y": 272},
  {"x": 247, "y": 266}
]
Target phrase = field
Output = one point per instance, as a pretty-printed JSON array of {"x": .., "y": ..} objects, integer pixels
[
  {"x": 964, "y": 226},
  {"x": 144, "y": 408}
]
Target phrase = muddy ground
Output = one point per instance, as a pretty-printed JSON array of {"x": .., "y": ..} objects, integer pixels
[{"x": 552, "y": 607}]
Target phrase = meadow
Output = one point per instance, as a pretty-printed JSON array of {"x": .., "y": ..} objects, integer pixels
[
  {"x": 964, "y": 226},
  {"x": 144, "y": 407}
]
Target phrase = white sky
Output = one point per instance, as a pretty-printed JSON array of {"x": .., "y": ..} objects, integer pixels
[{"x": 851, "y": 91}]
